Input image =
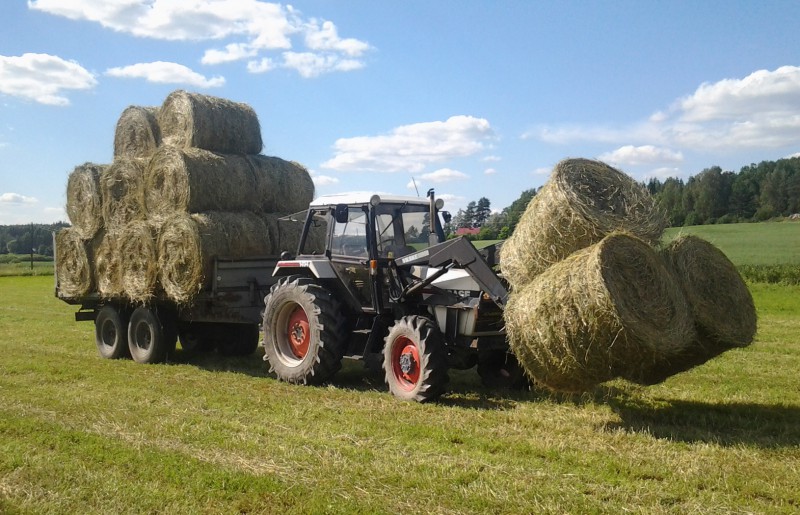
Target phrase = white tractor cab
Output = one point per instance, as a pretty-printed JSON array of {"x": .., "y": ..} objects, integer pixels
[{"x": 374, "y": 279}]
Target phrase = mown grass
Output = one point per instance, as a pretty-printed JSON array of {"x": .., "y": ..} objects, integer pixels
[{"x": 79, "y": 434}]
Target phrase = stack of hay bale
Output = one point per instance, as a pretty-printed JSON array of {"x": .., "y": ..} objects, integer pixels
[
  {"x": 187, "y": 184},
  {"x": 592, "y": 299}
]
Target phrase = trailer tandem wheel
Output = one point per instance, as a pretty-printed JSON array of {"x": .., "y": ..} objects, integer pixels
[
  {"x": 111, "y": 332},
  {"x": 151, "y": 335}
]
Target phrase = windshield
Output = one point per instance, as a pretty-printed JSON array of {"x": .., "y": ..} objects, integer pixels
[{"x": 402, "y": 228}]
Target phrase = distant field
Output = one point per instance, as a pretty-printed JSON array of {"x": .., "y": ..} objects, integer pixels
[
  {"x": 767, "y": 243},
  {"x": 209, "y": 434}
]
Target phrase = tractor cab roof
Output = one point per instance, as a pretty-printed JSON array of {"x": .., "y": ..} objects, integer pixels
[{"x": 364, "y": 197}]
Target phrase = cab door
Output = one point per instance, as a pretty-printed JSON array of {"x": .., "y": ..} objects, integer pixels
[{"x": 350, "y": 255}]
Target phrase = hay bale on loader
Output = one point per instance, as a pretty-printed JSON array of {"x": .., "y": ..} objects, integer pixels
[
  {"x": 139, "y": 267},
  {"x": 211, "y": 123},
  {"x": 84, "y": 199},
  {"x": 122, "y": 187},
  {"x": 73, "y": 266},
  {"x": 720, "y": 302},
  {"x": 188, "y": 244},
  {"x": 583, "y": 201},
  {"x": 137, "y": 133},
  {"x": 108, "y": 266},
  {"x": 194, "y": 180},
  {"x": 609, "y": 310}
]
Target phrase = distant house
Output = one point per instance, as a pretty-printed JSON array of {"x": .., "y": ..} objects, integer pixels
[{"x": 468, "y": 231}]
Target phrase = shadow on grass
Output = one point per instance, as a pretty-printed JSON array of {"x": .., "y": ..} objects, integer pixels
[
  {"x": 727, "y": 424},
  {"x": 465, "y": 388}
]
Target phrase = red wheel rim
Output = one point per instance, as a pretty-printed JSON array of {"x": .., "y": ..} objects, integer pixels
[
  {"x": 298, "y": 333},
  {"x": 405, "y": 363}
]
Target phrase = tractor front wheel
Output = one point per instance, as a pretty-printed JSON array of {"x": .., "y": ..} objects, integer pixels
[{"x": 415, "y": 360}]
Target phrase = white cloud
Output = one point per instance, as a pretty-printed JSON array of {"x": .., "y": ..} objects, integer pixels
[
  {"x": 16, "y": 198},
  {"x": 232, "y": 52},
  {"x": 246, "y": 28},
  {"x": 489, "y": 159},
  {"x": 796, "y": 154},
  {"x": 411, "y": 147},
  {"x": 264, "y": 64},
  {"x": 325, "y": 37},
  {"x": 310, "y": 65},
  {"x": 489, "y": 171},
  {"x": 761, "y": 110},
  {"x": 323, "y": 180},
  {"x": 542, "y": 170},
  {"x": 165, "y": 73},
  {"x": 641, "y": 155},
  {"x": 42, "y": 78},
  {"x": 444, "y": 175}
]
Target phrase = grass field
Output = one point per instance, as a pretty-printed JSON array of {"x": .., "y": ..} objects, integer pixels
[
  {"x": 766, "y": 243},
  {"x": 79, "y": 434}
]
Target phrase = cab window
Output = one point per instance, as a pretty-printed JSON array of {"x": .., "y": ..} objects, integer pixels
[{"x": 350, "y": 237}]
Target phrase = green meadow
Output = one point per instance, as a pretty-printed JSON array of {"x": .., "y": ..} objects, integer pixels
[{"x": 210, "y": 434}]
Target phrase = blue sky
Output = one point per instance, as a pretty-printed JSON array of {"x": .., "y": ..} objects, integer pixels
[{"x": 474, "y": 97}]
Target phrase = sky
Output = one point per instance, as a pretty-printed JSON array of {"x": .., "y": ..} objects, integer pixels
[{"x": 475, "y": 98}]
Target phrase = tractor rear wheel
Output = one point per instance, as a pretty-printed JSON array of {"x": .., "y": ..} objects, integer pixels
[
  {"x": 303, "y": 331},
  {"x": 415, "y": 360}
]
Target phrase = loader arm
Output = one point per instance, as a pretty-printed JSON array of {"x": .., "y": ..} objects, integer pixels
[{"x": 459, "y": 253}]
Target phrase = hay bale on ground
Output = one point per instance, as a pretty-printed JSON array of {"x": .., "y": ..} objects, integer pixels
[
  {"x": 188, "y": 244},
  {"x": 84, "y": 200},
  {"x": 582, "y": 202},
  {"x": 194, "y": 180},
  {"x": 138, "y": 245},
  {"x": 212, "y": 123},
  {"x": 137, "y": 133},
  {"x": 282, "y": 186},
  {"x": 107, "y": 266},
  {"x": 609, "y": 310},
  {"x": 720, "y": 302},
  {"x": 122, "y": 187},
  {"x": 73, "y": 266}
]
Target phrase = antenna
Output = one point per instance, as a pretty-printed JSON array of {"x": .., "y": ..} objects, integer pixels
[{"x": 415, "y": 185}]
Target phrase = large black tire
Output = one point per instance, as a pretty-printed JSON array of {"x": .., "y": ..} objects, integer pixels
[
  {"x": 151, "y": 335},
  {"x": 238, "y": 340},
  {"x": 415, "y": 360},
  {"x": 111, "y": 333},
  {"x": 303, "y": 331}
]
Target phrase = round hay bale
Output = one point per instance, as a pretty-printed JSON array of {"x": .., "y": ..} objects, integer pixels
[
  {"x": 582, "y": 202},
  {"x": 282, "y": 186},
  {"x": 84, "y": 200},
  {"x": 122, "y": 187},
  {"x": 188, "y": 244},
  {"x": 137, "y": 133},
  {"x": 608, "y": 310},
  {"x": 140, "y": 265},
  {"x": 212, "y": 123},
  {"x": 194, "y": 180},
  {"x": 107, "y": 266},
  {"x": 720, "y": 302},
  {"x": 73, "y": 265}
]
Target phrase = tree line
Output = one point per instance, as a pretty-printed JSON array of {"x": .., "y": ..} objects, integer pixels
[{"x": 24, "y": 239}]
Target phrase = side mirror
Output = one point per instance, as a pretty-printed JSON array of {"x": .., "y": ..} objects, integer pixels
[
  {"x": 447, "y": 216},
  {"x": 340, "y": 214}
]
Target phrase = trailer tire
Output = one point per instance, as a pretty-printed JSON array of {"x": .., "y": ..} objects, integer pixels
[
  {"x": 239, "y": 340},
  {"x": 111, "y": 333},
  {"x": 415, "y": 360},
  {"x": 303, "y": 331},
  {"x": 151, "y": 335}
]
